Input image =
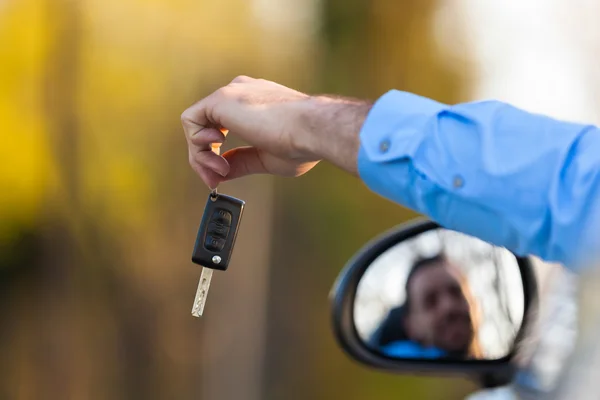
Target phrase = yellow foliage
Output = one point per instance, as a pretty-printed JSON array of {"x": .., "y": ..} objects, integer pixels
[{"x": 26, "y": 169}]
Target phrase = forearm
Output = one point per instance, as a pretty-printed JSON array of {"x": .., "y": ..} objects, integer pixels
[{"x": 334, "y": 125}]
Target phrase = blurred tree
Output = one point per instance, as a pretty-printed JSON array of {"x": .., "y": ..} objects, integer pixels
[
  {"x": 99, "y": 208},
  {"x": 21, "y": 125},
  {"x": 105, "y": 83},
  {"x": 368, "y": 47}
]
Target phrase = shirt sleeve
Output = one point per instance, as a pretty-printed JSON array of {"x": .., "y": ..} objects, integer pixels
[{"x": 519, "y": 180}]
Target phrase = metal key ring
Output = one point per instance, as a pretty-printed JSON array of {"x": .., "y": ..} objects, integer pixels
[{"x": 213, "y": 192}]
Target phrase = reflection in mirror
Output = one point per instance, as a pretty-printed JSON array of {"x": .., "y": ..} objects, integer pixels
[{"x": 441, "y": 294}]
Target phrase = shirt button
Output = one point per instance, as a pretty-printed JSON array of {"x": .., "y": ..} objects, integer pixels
[
  {"x": 384, "y": 146},
  {"x": 458, "y": 181}
]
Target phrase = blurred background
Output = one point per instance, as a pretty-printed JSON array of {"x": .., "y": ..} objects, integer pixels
[{"x": 99, "y": 207}]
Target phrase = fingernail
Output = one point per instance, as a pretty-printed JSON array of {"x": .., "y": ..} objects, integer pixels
[
  {"x": 218, "y": 168},
  {"x": 212, "y": 135},
  {"x": 215, "y": 136},
  {"x": 221, "y": 171}
]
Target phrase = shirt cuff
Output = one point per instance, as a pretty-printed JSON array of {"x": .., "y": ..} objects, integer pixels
[
  {"x": 395, "y": 123},
  {"x": 393, "y": 130}
]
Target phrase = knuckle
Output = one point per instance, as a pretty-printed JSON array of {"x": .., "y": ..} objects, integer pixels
[
  {"x": 224, "y": 92},
  {"x": 241, "y": 79},
  {"x": 188, "y": 114},
  {"x": 185, "y": 116}
]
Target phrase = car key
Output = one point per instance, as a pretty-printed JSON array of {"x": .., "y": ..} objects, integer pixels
[{"x": 215, "y": 240}]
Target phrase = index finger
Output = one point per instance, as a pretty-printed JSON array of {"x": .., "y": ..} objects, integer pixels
[
  {"x": 194, "y": 119},
  {"x": 200, "y": 114}
]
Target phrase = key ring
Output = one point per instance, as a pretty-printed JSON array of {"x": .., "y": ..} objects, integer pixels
[{"x": 214, "y": 194}]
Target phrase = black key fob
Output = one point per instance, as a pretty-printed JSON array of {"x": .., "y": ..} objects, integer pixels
[{"x": 218, "y": 231}]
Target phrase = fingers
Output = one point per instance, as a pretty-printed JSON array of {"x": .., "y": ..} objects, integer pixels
[
  {"x": 210, "y": 167},
  {"x": 205, "y": 138},
  {"x": 198, "y": 116},
  {"x": 205, "y": 135},
  {"x": 243, "y": 161},
  {"x": 201, "y": 116},
  {"x": 236, "y": 163},
  {"x": 194, "y": 119},
  {"x": 211, "y": 178},
  {"x": 204, "y": 145},
  {"x": 204, "y": 113},
  {"x": 212, "y": 161}
]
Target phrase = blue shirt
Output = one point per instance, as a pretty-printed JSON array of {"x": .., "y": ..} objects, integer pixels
[
  {"x": 519, "y": 180},
  {"x": 410, "y": 349}
]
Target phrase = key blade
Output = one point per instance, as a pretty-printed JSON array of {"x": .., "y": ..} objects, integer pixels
[{"x": 202, "y": 292}]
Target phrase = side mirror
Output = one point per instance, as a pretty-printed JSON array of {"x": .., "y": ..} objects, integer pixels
[{"x": 424, "y": 299}]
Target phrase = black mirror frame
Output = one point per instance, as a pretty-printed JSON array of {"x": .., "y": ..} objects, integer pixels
[{"x": 488, "y": 373}]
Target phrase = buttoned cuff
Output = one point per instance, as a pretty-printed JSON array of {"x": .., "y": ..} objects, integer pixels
[{"x": 395, "y": 125}]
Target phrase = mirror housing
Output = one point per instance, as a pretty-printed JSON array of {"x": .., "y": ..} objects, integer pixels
[{"x": 488, "y": 373}]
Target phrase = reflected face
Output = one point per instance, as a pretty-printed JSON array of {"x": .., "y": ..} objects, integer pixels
[{"x": 439, "y": 313}]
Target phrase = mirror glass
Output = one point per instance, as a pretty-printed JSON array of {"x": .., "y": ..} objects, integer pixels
[{"x": 441, "y": 295}]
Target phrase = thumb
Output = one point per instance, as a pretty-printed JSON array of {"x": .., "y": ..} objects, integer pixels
[{"x": 243, "y": 161}]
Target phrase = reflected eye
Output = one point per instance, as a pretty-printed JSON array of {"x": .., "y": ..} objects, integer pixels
[
  {"x": 430, "y": 301},
  {"x": 455, "y": 291}
]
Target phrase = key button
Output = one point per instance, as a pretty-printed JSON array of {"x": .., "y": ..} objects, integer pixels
[
  {"x": 213, "y": 243},
  {"x": 222, "y": 216},
  {"x": 218, "y": 229}
]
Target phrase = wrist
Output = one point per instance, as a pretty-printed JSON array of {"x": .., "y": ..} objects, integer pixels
[
  {"x": 331, "y": 128},
  {"x": 306, "y": 139}
]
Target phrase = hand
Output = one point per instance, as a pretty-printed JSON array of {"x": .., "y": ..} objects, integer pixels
[{"x": 288, "y": 131}]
